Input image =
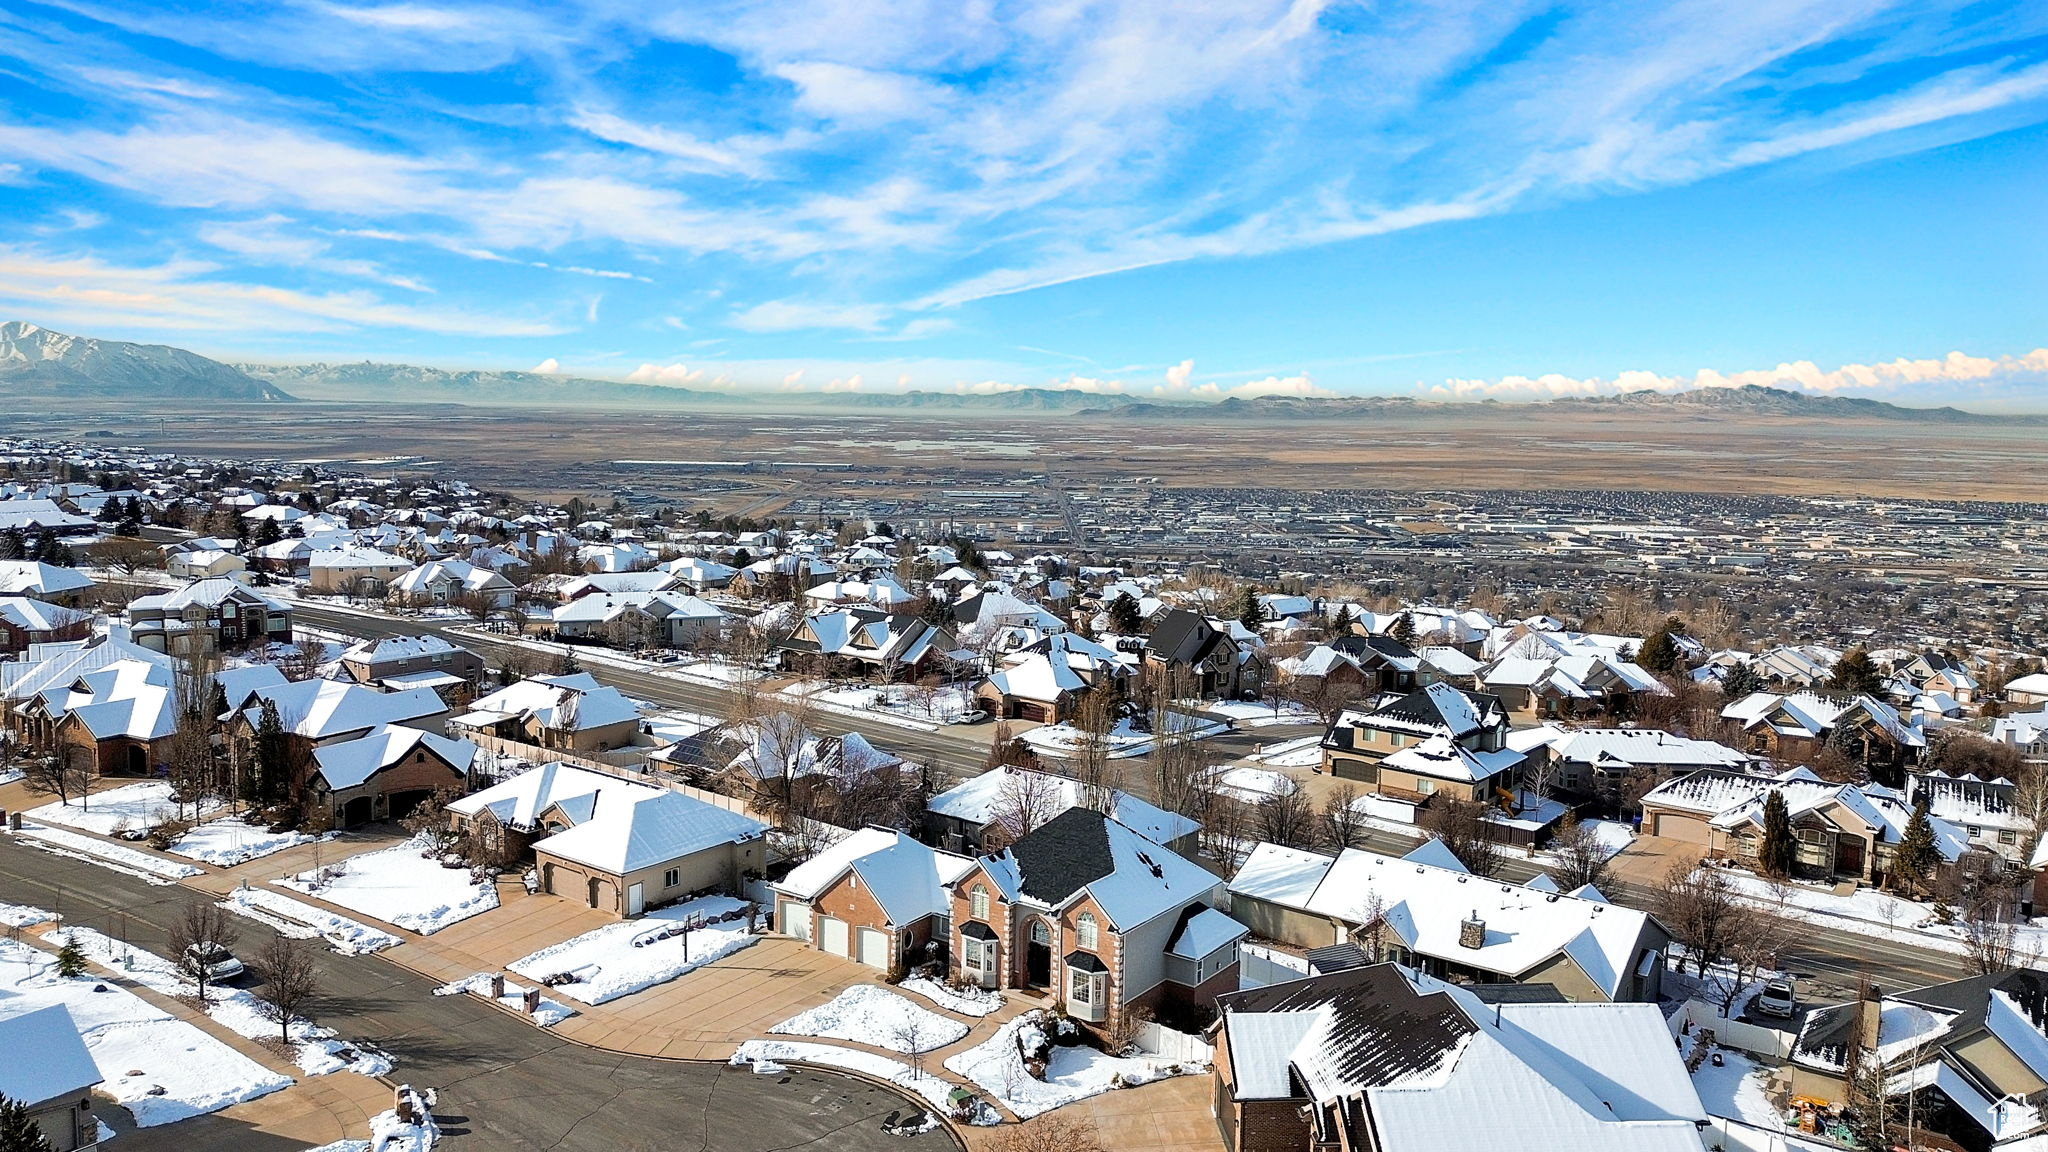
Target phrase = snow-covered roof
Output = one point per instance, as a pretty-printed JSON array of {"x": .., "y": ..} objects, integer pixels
[
  {"x": 979, "y": 800},
  {"x": 1082, "y": 852},
  {"x": 908, "y": 879},
  {"x": 61, "y": 1065},
  {"x": 34, "y": 577},
  {"x": 1440, "y": 757},
  {"x": 519, "y": 802},
  {"x": 572, "y": 703},
  {"x": 1205, "y": 933},
  {"x": 649, "y": 830},
  {"x": 349, "y": 764},
  {"x": 1425, "y": 905},
  {"x": 318, "y": 709}
]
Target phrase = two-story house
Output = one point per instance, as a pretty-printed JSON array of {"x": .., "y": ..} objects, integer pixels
[
  {"x": 209, "y": 616},
  {"x": 1086, "y": 910},
  {"x": 1434, "y": 741},
  {"x": 398, "y": 663},
  {"x": 24, "y": 622},
  {"x": 1218, "y": 664}
]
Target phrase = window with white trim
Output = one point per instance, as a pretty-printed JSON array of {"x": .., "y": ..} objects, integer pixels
[
  {"x": 1084, "y": 930},
  {"x": 971, "y": 952},
  {"x": 1082, "y": 985},
  {"x": 977, "y": 900},
  {"x": 672, "y": 877}
]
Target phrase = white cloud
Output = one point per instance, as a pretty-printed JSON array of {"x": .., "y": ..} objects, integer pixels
[
  {"x": 1950, "y": 376},
  {"x": 548, "y": 367},
  {"x": 667, "y": 375},
  {"x": 859, "y": 95},
  {"x": 1271, "y": 386},
  {"x": 791, "y": 315},
  {"x": 186, "y": 295}
]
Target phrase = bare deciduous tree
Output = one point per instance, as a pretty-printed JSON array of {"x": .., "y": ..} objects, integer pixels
[
  {"x": 290, "y": 982},
  {"x": 1050, "y": 1132},
  {"x": 1581, "y": 857},
  {"x": 201, "y": 929},
  {"x": 1025, "y": 800},
  {"x": 1094, "y": 719},
  {"x": 1463, "y": 828},
  {"x": 1700, "y": 907},
  {"x": 64, "y": 772},
  {"x": 1342, "y": 823},
  {"x": 1285, "y": 816}
]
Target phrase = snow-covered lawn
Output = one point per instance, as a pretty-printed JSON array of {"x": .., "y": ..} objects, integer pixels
[
  {"x": 1074, "y": 1073},
  {"x": 873, "y": 1015},
  {"x": 23, "y": 916},
  {"x": 133, "y": 806},
  {"x": 303, "y": 921},
  {"x": 1122, "y": 741},
  {"x": 230, "y": 841},
  {"x": 120, "y": 858},
  {"x": 890, "y": 703},
  {"x": 401, "y": 886},
  {"x": 767, "y": 1055},
  {"x": 1253, "y": 785},
  {"x": 1873, "y": 913},
  {"x": 1736, "y": 1091},
  {"x": 1305, "y": 752},
  {"x": 315, "y": 1050},
  {"x": 1255, "y": 714},
  {"x": 965, "y": 1001},
  {"x": 549, "y": 1014},
  {"x": 9, "y": 776},
  {"x": 608, "y": 964},
  {"x": 126, "y": 1034}
]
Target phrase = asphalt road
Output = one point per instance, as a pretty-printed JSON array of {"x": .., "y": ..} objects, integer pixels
[
  {"x": 505, "y": 1086},
  {"x": 1827, "y": 961}
]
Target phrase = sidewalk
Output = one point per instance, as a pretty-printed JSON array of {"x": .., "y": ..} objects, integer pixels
[{"x": 315, "y": 1109}]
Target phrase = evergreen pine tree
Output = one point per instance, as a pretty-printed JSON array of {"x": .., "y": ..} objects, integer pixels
[
  {"x": 1403, "y": 630},
  {"x": 1914, "y": 861},
  {"x": 1776, "y": 854},
  {"x": 19, "y": 1131},
  {"x": 1340, "y": 624},
  {"x": 70, "y": 958},
  {"x": 1856, "y": 672},
  {"x": 1246, "y": 609},
  {"x": 1124, "y": 617},
  {"x": 1660, "y": 652},
  {"x": 1741, "y": 681},
  {"x": 273, "y": 751}
]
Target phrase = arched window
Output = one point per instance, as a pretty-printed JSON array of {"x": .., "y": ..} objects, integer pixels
[
  {"x": 1084, "y": 930},
  {"x": 978, "y": 900}
]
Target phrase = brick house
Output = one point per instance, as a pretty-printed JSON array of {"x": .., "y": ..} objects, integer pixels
[
  {"x": 209, "y": 616},
  {"x": 1085, "y": 910},
  {"x": 878, "y": 897},
  {"x": 401, "y": 662},
  {"x": 1219, "y": 665},
  {"x": 571, "y": 713},
  {"x": 385, "y": 774},
  {"x": 24, "y": 622}
]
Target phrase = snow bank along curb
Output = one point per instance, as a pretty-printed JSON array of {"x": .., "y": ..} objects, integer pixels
[
  {"x": 303, "y": 921},
  {"x": 872, "y": 1015},
  {"x": 768, "y": 1056},
  {"x": 82, "y": 847},
  {"x": 546, "y": 1013},
  {"x": 623, "y": 958}
]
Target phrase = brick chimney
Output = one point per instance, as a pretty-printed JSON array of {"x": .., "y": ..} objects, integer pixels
[{"x": 1472, "y": 932}]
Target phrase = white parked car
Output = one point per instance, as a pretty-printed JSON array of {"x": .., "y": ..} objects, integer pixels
[{"x": 1777, "y": 998}]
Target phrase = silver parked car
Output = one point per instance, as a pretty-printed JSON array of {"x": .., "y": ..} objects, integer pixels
[
  {"x": 1777, "y": 998},
  {"x": 217, "y": 962}
]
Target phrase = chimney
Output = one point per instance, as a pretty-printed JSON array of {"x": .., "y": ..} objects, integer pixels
[{"x": 1472, "y": 932}]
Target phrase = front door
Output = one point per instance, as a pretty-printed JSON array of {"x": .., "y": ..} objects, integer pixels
[
  {"x": 636, "y": 899},
  {"x": 1038, "y": 957},
  {"x": 1848, "y": 856}
]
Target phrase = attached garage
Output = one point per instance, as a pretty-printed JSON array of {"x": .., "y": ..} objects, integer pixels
[
  {"x": 874, "y": 948},
  {"x": 832, "y": 936},
  {"x": 1688, "y": 826},
  {"x": 795, "y": 919}
]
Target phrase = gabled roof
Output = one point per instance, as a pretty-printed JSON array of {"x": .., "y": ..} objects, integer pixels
[
  {"x": 318, "y": 709},
  {"x": 978, "y": 801},
  {"x": 349, "y": 764},
  {"x": 519, "y": 801},
  {"x": 648, "y": 831},
  {"x": 1440, "y": 708},
  {"x": 61, "y": 1066},
  {"x": 572, "y": 703},
  {"x": 1082, "y": 852},
  {"x": 908, "y": 879}
]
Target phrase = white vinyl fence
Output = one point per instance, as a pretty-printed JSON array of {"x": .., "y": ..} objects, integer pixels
[{"x": 1179, "y": 1047}]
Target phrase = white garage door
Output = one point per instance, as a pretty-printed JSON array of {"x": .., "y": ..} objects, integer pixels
[
  {"x": 796, "y": 919},
  {"x": 874, "y": 948},
  {"x": 832, "y": 935}
]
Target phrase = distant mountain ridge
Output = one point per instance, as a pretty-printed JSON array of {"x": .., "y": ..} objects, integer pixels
[
  {"x": 400, "y": 383},
  {"x": 36, "y": 361},
  {"x": 1747, "y": 400}
]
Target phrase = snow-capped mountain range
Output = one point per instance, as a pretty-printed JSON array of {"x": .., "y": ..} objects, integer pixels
[{"x": 37, "y": 361}]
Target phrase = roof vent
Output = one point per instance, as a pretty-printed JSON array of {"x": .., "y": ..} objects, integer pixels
[{"x": 1472, "y": 932}]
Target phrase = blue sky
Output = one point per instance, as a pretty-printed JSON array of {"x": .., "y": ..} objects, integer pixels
[{"x": 1490, "y": 198}]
